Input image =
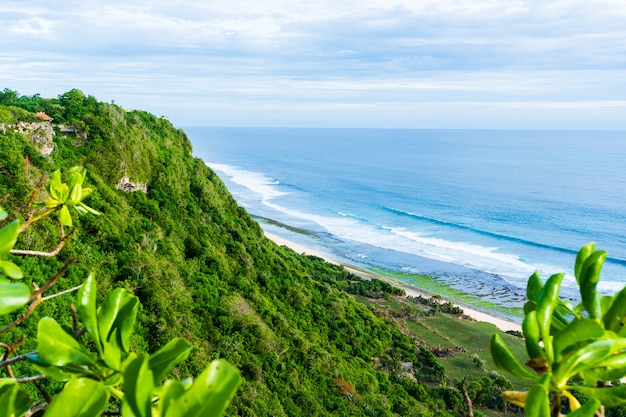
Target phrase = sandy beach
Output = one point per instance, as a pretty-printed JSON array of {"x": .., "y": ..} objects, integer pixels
[{"x": 410, "y": 291}]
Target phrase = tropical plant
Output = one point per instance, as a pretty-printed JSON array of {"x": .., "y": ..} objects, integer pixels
[
  {"x": 96, "y": 364},
  {"x": 576, "y": 353}
]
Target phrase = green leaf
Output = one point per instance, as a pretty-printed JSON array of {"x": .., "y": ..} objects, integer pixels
[
  {"x": 165, "y": 359},
  {"x": 613, "y": 318},
  {"x": 581, "y": 358},
  {"x": 76, "y": 194},
  {"x": 65, "y": 217},
  {"x": 11, "y": 270},
  {"x": 55, "y": 185},
  {"x": 58, "y": 373},
  {"x": 86, "y": 301},
  {"x": 8, "y": 237},
  {"x": 170, "y": 392},
  {"x": 81, "y": 397},
  {"x": 609, "y": 396},
  {"x": 546, "y": 303},
  {"x": 533, "y": 288},
  {"x": 58, "y": 348},
  {"x": 537, "y": 401},
  {"x": 88, "y": 209},
  {"x": 589, "y": 277},
  {"x": 138, "y": 386},
  {"x": 581, "y": 257},
  {"x": 116, "y": 319},
  {"x": 13, "y": 401},
  {"x": 506, "y": 361},
  {"x": 530, "y": 329},
  {"x": 577, "y": 331},
  {"x": 13, "y": 296},
  {"x": 210, "y": 394},
  {"x": 588, "y": 409},
  {"x": 3, "y": 214},
  {"x": 125, "y": 321}
]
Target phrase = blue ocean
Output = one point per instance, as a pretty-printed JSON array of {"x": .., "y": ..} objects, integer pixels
[{"x": 479, "y": 209}]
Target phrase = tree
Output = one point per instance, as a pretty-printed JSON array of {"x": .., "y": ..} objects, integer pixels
[
  {"x": 7, "y": 97},
  {"x": 103, "y": 367},
  {"x": 572, "y": 349}
]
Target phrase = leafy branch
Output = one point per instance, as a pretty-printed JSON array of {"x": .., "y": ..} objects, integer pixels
[
  {"x": 572, "y": 349},
  {"x": 91, "y": 378}
]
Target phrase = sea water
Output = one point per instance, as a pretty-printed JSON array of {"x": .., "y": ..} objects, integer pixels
[{"x": 479, "y": 209}]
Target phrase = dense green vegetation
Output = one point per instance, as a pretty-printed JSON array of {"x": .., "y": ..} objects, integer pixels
[{"x": 203, "y": 270}]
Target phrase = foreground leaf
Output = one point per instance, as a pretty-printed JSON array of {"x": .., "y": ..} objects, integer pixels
[
  {"x": 505, "y": 360},
  {"x": 608, "y": 396},
  {"x": 81, "y": 397},
  {"x": 13, "y": 296},
  {"x": 86, "y": 300},
  {"x": 138, "y": 386},
  {"x": 8, "y": 237},
  {"x": 210, "y": 393},
  {"x": 11, "y": 270},
  {"x": 165, "y": 359},
  {"x": 13, "y": 401},
  {"x": 58, "y": 348}
]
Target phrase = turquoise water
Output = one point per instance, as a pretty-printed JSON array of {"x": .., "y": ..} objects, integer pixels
[{"x": 480, "y": 209}]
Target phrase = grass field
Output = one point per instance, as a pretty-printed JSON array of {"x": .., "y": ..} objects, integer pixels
[{"x": 465, "y": 339}]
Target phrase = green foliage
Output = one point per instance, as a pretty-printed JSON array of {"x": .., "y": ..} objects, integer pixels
[
  {"x": 201, "y": 270},
  {"x": 579, "y": 349},
  {"x": 91, "y": 380}
]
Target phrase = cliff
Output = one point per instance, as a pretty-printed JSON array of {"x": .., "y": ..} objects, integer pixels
[{"x": 203, "y": 270}]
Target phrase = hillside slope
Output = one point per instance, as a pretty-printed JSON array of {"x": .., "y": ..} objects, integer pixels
[{"x": 203, "y": 270}]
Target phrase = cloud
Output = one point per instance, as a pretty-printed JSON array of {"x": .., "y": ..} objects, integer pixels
[{"x": 174, "y": 56}]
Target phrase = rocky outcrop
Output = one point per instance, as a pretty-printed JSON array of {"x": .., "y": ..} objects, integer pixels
[
  {"x": 40, "y": 134},
  {"x": 127, "y": 185}
]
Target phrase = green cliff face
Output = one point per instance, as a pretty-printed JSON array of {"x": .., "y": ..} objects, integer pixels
[{"x": 203, "y": 270}]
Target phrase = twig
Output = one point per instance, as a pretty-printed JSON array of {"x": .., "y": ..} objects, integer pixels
[
  {"x": 36, "y": 409},
  {"x": 74, "y": 320},
  {"x": 16, "y": 359},
  {"x": 61, "y": 293},
  {"x": 53, "y": 280},
  {"x": 41, "y": 253},
  {"x": 10, "y": 349},
  {"x": 30, "y": 379}
]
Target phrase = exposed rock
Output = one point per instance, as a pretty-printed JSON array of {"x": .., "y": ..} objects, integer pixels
[
  {"x": 127, "y": 185},
  {"x": 40, "y": 134}
]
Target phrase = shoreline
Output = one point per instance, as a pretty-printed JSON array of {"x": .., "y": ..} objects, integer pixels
[{"x": 480, "y": 316}]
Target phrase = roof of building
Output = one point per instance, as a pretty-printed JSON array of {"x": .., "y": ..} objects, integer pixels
[{"x": 43, "y": 116}]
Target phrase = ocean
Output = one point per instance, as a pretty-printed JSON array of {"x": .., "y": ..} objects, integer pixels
[{"x": 480, "y": 210}]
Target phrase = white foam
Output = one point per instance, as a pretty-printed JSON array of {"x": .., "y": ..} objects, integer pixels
[
  {"x": 346, "y": 226},
  {"x": 256, "y": 182}
]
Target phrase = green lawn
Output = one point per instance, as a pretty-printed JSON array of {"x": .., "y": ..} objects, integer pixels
[{"x": 450, "y": 332}]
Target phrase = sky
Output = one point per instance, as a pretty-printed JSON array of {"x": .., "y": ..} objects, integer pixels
[{"x": 545, "y": 64}]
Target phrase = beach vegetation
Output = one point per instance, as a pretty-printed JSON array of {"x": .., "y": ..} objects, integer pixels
[{"x": 576, "y": 353}]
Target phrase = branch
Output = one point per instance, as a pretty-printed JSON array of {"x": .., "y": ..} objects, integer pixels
[
  {"x": 36, "y": 296},
  {"x": 44, "y": 254},
  {"x": 16, "y": 359},
  {"x": 52, "y": 280},
  {"x": 30, "y": 379},
  {"x": 10, "y": 349},
  {"x": 62, "y": 292},
  {"x": 36, "y": 409}
]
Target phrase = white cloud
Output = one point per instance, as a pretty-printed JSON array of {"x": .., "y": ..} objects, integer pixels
[{"x": 318, "y": 55}]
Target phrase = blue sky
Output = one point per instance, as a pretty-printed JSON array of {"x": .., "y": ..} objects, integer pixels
[{"x": 354, "y": 63}]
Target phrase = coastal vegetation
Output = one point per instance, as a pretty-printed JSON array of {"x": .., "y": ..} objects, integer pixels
[{"x": 201, "y": 283}]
